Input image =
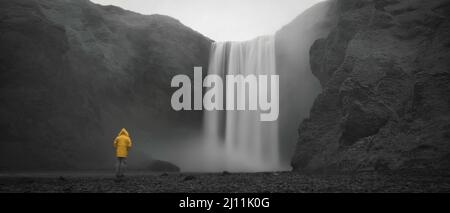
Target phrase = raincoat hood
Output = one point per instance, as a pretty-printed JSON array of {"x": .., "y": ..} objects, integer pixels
[{"x": 123, "y": 132}]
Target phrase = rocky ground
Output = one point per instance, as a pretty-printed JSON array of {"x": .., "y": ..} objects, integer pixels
[{"x": 228, "y": 182}]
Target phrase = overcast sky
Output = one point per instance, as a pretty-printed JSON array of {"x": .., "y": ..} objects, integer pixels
[{"x": 223, "y": 20}]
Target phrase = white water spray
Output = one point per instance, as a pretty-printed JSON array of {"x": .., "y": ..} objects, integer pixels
[{"x": 237, "y": 140}]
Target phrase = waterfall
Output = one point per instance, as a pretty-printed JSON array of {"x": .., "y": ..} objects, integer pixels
[{"x": 238, "y": 140}]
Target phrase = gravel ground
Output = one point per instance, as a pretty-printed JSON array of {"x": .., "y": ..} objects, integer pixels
[{"x": 226, "y": 182}]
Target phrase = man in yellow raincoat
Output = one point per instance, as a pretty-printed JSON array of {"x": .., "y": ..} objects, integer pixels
[{"x": 122, "y": 143}]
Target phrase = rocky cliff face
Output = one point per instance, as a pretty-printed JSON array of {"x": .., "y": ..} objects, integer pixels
[
  {"x": 73, "y": 73},
  {"x": 385, "y": 105},
  {"x": 298, "y": 86}
]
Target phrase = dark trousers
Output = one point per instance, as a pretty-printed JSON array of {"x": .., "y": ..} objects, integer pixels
[{"x": 121, "y": 166}]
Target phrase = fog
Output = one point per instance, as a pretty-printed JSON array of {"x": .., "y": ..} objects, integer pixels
[
  {"x": 298, "y": 86},
  {"x": 183, "y": 144},
  {"x": 223, "y": 20},
  {"x": 70, "y": 121},
  {"x": 298, "y": 90}
]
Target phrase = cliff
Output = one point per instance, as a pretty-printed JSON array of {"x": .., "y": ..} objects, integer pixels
[
  {"x": 298, "y": 86},
  {"x": 385, "y": 104},
  {"x": 73, "y": 73}
]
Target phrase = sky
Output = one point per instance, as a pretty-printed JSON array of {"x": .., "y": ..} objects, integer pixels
[{"x": 222, "y": 20}]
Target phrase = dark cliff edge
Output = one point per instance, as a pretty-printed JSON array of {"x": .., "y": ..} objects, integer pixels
[
  {"x": 298, "y": 86},
  {"x": 74, "y": 73},
  {"x": 385, "y": 105}
]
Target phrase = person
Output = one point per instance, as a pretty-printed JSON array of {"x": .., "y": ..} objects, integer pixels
[{"x": 122, "y": 143}]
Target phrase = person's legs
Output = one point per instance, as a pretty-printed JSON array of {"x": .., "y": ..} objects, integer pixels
[
  {"x": 118, "y": 166},
  {"x": 123, "y": 167}
]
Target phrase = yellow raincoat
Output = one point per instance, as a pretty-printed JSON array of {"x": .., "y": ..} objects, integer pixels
[{"x": 122, "y": 143}]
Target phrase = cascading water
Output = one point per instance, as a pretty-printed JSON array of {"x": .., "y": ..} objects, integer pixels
[{"x": 238, "y": 140}]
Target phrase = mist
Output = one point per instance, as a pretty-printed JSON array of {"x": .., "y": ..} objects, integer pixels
[
  {"x": 231, "y": 20},
  {"x": 298, "y": 86},
  {"x": 298, "y": 90},
  {"x": 106, "y": 69}
]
